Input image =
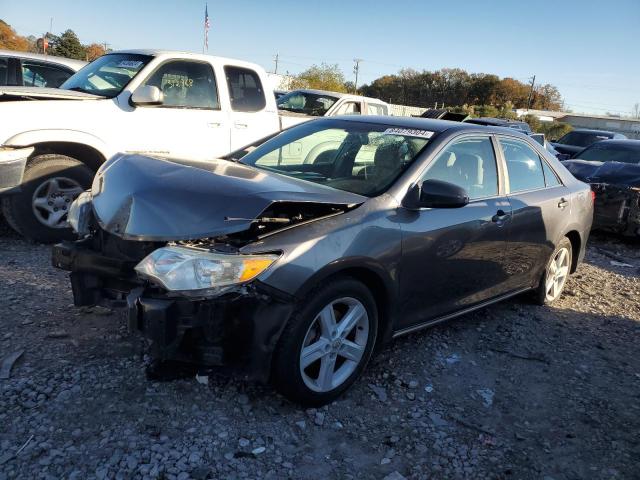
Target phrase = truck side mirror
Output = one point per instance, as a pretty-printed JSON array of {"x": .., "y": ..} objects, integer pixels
[{"x": 147, "y": 95}]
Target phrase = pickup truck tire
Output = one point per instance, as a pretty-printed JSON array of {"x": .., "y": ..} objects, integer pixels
[{"x": 49, "y": 185}]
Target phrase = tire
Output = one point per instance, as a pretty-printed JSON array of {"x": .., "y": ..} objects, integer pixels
[
  {"x": 27, "y": 211},
  {"x": 287, "y": 374},
  {"x": 542, "y": 296}
]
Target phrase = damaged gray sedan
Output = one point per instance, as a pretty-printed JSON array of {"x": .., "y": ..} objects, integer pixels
[{"x": 294, "y": 258}]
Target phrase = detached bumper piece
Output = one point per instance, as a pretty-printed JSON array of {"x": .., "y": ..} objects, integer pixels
[
  {"x": 239, "y": 329},
  {"x": 617, "y": 208},
  {"x": 12, "y": 164}
]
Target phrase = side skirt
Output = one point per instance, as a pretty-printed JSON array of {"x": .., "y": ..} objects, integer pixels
[{"x": 450, "y": 316}]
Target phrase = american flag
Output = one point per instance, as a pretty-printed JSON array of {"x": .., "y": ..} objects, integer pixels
[{"x": 207, "y": 25}]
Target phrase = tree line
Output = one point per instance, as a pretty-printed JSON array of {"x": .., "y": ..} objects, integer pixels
[{"x": 67, "y": 44}]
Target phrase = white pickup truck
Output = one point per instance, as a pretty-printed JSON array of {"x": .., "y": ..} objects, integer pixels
[{"x": 161, "y": 103}]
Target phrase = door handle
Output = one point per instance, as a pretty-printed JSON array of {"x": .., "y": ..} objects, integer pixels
[
  {"x": 500, "y": 217},
  {"x": 240, "y": 125},
  {"x": 562, "y": 203},
  {"x": 214, "y": 124}
]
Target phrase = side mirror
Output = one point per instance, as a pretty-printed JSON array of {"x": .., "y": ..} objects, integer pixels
[
  {"x": 147, "y": 95},
  {"x": 435, "y": 194}
]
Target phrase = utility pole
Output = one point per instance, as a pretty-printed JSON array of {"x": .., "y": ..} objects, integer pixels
[
  {"x": 106, "y": 46},
  {"x": 275, "y": 59},
  {"x": 356, "y": 69},
  {"x": 533, "y": 82}
]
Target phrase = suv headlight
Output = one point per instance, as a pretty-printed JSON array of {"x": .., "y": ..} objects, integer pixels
[{"x": 196, "y": 272}]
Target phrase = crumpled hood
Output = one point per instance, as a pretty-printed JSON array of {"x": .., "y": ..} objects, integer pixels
[
  {"x": 614, "y": 173},
  {"x": 42, "y": 93},
  {"x": 143, "y": 198}
]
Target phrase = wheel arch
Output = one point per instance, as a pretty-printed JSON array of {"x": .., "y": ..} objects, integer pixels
[
  {"x": 576, "y": 246},
  {"x": 84, "y": 147},
  {"x": 374, "y": 276}
]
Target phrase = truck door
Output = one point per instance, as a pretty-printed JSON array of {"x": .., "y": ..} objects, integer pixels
[
  {"x": 252, "y": 116},
  {"x": 190, "y": 123}
]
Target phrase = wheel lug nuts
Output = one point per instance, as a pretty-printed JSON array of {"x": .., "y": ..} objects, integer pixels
[
  {"x": 49, "y": 203},
  {"x": 55, "y": 209},
  {"x": 64, "y": 207},
  {"x": 67, "y": 200}
]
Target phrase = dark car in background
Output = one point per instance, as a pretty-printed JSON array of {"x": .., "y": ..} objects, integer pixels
[
  {"x": 296, "y": 256},
  {"x": 24, "y": 69},
  {"x": 580, "y": 138},
  {"x": 612, "y": 167}
]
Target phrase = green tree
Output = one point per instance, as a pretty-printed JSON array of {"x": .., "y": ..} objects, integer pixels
[
  {"x": 322, "y": 77},
  {"x": 68, "y": 45}
]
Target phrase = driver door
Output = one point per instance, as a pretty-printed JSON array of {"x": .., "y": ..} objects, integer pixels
[
  {"x": 454, "y": 258},
  {"x": 190, "y": 123}
]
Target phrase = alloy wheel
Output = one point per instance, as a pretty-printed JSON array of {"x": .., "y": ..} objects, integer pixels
[
  {"x": 334, "y": 344},
  {"x": 52, "y": 199},
  {"x": 557, "y": 274}
]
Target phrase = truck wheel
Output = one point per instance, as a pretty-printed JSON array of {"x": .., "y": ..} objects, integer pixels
[
  {"x": 51, "y": 182},
  {"x": 327, "y": 343}
]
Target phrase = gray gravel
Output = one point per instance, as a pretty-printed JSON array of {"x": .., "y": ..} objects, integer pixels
[{"x": 514, "y": 391}]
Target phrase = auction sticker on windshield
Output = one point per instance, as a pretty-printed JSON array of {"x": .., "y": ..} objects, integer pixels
[
  {"x": 129, "y": 64},
  {"x": 409, "y": 132}
]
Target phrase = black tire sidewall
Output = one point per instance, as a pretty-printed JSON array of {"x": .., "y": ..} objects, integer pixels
[
  {"x": 40, "y": 169},
  {"x": 541, "y": 294},
  {"x": 286, "y": 374}
]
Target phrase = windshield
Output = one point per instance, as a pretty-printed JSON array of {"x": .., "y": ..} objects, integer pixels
[
  {"x": 316, "y": 104},
  {"x": 357, "y": 157},
  {"x": 603, "y": 152},
  {"x": 108, "y": 75},
  {"x": 581, "y": 139}
]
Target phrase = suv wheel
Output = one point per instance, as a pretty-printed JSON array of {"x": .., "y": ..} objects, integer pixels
[
  {"x": 326, "y": 343},
  {"x": 50, "y": 184}
]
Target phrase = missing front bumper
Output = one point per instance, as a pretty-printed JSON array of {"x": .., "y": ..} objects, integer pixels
[{"x": 239, "y": 329}]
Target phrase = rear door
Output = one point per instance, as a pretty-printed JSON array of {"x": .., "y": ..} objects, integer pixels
[
  {"x": 252, "y": 115},
  {"x": 453, "y": 258},
  {"x": 540, "y": 206}
]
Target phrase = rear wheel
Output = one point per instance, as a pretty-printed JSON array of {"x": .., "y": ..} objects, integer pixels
[
  {"x": 555, "y": 275},
  {"x": 326, "y": 343},
  {"x": 50, "y": 184}
]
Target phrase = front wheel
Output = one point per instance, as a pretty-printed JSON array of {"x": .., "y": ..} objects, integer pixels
[
  {"x": 555, "y": 275},
  {"x": 326, "y": 343},
  {"x": 51, "y": 182}
]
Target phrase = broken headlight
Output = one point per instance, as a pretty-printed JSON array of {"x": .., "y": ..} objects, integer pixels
[{"x": 197, "y": 272}]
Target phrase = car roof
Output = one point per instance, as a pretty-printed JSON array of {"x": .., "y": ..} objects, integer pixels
[
  {"x": 592, "y": 131},
  {"x": 336, "y": 94},
  {"x": 67, "y": 62},
  {"x": 496, "y": 121},
  {"x": 618, "y": 143},
  {"x": 429, "y": 124}
]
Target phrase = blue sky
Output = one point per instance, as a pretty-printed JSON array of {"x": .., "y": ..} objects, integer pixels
[{"x": 588, "y": 49}]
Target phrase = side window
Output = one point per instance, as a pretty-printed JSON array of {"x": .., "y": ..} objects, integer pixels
[
  {"x": 4, "y": 71},
  {"x": 245, "y": 88},
  {"x": 40, "y": 75},
  {"x": 186, "y": 84},
  {"x": 349, "y": 108},
  {"x": 523, "y": 165},
  {"x": 469, "y": 163},
  {"x": 376, "y": 109},
  {"x": 550, "y": 177}
]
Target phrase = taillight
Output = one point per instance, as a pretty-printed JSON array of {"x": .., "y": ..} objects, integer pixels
[{"x": 593, "y": 196}]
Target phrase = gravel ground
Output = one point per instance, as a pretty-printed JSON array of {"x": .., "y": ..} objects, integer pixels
[{"x": 513, "y": 391}]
